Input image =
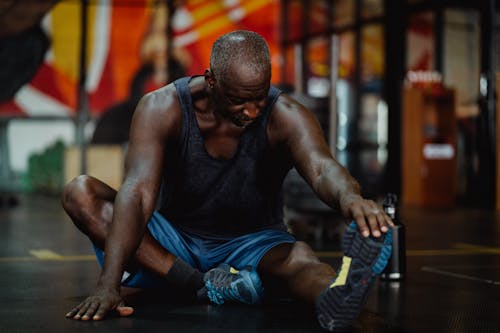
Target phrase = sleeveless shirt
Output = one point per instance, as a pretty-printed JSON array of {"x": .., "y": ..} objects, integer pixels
[{"x": 217, "y": 197}]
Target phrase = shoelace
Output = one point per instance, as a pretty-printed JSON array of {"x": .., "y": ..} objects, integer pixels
[
  {"x": 221, "y": 289},
  {"x": 219, "y": 294}
]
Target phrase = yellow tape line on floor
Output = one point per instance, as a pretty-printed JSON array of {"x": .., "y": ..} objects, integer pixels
[
  {"x": 459, "y": 249},
  {"x": 48, "y": 255},
  {"x": 45, "y": 254}
]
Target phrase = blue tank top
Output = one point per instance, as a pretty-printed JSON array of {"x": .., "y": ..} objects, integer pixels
[{"x": 222, "y": 198}]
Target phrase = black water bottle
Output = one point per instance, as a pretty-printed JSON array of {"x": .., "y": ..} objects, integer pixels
[{"x": 396, "y": 268}]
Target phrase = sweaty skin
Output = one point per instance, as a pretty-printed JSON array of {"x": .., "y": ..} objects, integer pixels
[{"x": 223, "y": 110}]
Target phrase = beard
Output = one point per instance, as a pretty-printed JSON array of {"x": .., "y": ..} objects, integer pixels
[
  {"x": 242, "y": 121},
  {"x": 239, "y": 120}
]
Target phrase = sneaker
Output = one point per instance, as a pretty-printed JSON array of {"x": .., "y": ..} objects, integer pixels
[
  {"x": 364, "y": 259},
  {"x": 224, "y": 283}
]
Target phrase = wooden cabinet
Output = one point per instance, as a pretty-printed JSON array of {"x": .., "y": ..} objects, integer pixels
[{"x": 429, "y": 147}]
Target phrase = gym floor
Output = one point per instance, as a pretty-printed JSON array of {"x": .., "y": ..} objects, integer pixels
[{"x": 452, "y": 282}]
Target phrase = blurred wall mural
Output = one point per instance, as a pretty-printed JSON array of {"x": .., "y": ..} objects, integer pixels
[{"x": 126, "y": 49}]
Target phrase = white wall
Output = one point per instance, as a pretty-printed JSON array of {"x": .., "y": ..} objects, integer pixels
[{"x": 29, "y": 136}]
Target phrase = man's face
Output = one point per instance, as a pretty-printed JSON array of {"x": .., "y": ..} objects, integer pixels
[{"x": 241, "y": 95}]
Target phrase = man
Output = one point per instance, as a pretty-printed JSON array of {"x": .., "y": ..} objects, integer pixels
[{"x": 210, "y": 154}]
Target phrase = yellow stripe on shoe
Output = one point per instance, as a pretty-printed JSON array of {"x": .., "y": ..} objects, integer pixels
[{"x": 342, "y": 274}]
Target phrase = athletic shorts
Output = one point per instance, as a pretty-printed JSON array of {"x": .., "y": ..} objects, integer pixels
[{"x": 201, "y": 252}]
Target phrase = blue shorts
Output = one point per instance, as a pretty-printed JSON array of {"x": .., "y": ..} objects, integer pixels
[{"x": 201, "y": 252}]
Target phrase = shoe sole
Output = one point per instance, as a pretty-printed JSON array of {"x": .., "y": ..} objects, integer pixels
[{"x": 338, "y": 307}]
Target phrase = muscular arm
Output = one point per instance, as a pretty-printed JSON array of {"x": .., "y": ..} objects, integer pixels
[
  {"x": 303, "y": 138},
  {"x": 155, "y": 122},
  {"x": 135, "y": 201}
]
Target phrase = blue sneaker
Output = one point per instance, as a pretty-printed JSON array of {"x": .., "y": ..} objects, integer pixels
[
  {"x": 225, "y": 283},
  {"x": 364, "y": 259}
]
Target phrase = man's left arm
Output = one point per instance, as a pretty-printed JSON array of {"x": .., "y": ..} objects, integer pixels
[{"x": 301, "y": 133}]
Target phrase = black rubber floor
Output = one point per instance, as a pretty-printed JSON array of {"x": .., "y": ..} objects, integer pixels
[{"x": 452, "y": 284}]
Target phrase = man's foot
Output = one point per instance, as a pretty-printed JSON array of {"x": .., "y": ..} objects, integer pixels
[
  {"x": 224, "y": 283},
  {"x": 364, "y": 259}
]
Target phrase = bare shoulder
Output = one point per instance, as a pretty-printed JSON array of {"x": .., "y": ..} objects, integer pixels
[
  {"x": 159, "y": 111},
  {"x": 286, "y": 103},
  {"x": 161, "y": 103},
  {"x": 290, "y": 119}
]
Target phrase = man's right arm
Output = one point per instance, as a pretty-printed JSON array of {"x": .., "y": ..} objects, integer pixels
[{"x": 155, "y": 121}]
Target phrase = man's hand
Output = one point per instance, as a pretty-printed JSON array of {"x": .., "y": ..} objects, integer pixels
[
  {"x": 370, "y": 217},
  {"x": 96, "y": 307}
]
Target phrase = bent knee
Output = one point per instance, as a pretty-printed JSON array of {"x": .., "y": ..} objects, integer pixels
[
  {"x": 76, "y": 193},
  {"x": 291, "y": 259}
]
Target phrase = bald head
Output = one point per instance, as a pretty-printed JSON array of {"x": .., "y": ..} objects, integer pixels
[{"x": 241, "y": 47}]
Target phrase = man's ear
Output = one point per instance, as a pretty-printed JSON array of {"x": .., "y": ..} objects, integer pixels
[{"x": 209, "y": 78}]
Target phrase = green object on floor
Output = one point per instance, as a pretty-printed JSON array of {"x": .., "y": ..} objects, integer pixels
[{"x": 45, "y": 170}]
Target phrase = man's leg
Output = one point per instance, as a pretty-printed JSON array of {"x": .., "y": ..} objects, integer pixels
[
  {"x": 89, "y": 204},
  {"x": 340, "y": 297},
  {"x": 305, "y": 275}
]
